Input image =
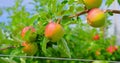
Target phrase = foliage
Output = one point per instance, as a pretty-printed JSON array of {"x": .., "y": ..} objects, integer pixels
[{"x": 76, "y": 43}]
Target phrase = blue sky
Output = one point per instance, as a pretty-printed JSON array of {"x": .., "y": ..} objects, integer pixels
[
  {"x": 10, "y": 3},
  {"x": 4, "y": 4}
]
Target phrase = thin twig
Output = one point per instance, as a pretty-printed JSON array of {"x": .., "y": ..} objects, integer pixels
[{"x": 58, "y": 20}]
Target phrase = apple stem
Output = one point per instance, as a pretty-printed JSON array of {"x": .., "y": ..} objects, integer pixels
[{"x": 58, "y": 20}]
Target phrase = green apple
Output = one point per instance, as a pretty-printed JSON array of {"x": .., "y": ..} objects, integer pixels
[{"x": 92, "y": 3}]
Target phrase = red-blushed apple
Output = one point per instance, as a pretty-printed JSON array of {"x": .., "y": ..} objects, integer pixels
[
  {"x": 54, "y": 31},
  {"x": 96, "y": 17},
  {"x": 24, "y": 44},
  {"x": 92, "y": 3},
  {"x": 30, "y": 48},
  {"x": 26, "y": 29},
  {"x": 112, "y": 49},
  {"x": 29, "y": 34},
  {"x": 96, "y": 37}
]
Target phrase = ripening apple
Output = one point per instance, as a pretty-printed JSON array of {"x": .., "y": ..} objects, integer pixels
[
  {"x": 29, "y": 34},
  {"x": 92, "y": 3},
  {"x": 96, "y": 17},
  {"x": 30, "y": 48},
  {"x": 26, "y": 29},
  {"x": 112, "y": 49},
  {"x": 54, "y": 31},
  {"x": 96, "y": 37}
]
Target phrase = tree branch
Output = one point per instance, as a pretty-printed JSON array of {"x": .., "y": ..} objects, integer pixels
[
  {"x": 9, "y": 47},
  {"x": 78, "y": 14},
  {"x": 113, "y": 11},
  {"x": 84, "y": 12}
]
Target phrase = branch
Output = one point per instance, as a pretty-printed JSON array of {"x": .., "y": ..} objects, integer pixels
[
  {"x": 113, "y": 11},
  {"x": 78, "y": 14},
  {"x": 9, "y": 47},
  {"x": 84, "y": 12}
]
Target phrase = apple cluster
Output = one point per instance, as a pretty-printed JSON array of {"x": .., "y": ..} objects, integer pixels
[
  {"x": 95, "y": 16},
  {"x": 54, "y": 31},
  {"x": 28, "y": 34}
]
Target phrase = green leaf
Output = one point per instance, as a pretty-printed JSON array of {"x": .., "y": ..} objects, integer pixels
[
  {"x": 64, "y": 2},
  {"x": 3, "y": 61},
  {"x": 110, "y": 13},
  {"x": 63, "y": 48},
  {"x": 44, "y": 44},
  {"x": 119, "y": 2},
  {"x": 109, "y": 2},
  {"x": 7, "y": 60}
]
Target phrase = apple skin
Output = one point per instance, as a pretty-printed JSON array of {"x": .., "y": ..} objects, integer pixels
[
  {"x": 112, "y": 49},
  {"x": 96, "y": 17},
  {"x": 31, "y": 37},
  {"x": 30, "y": 48},
  {"x": 92, "y": 3},
  {"x": 96, "y": 37},
  {"x": 26, "y": 29},
  {"x": 54, "y": 31}
]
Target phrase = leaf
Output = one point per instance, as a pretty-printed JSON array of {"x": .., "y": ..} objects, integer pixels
[
  {"x": 7, "y": 60},
  {"x": 110, "y": 13},
  {"x": 119, "y": 2},
  {"x": 63, "y": 48},
  {"x": 3, "y": 61},
  {"x": 64, "y": 2},
  {"x": 80, "y": 1},
  {"x": 44, "y": 44},
  {"x": 109, "y": 2}
]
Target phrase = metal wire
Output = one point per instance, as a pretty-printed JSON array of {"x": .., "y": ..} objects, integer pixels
[{"x": 53, "y": 58}]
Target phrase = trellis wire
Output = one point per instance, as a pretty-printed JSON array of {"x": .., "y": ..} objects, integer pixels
[{"x": 53, "y": 58}]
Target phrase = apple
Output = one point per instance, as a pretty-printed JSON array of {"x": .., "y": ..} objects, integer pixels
[
  {"x": 97, "y": 53},
  {"x": 26, "y": 29},
  {"x": 30, "y": 48},
  {"x": 112, "y": 49},
  {"x": 28, "y": 34},
  {"x": 24, "y": 43},
  {"x": 92, "y": 3},
  {"x": 96, "y": 17},
  {"x": 96, "y": 37},
  {"x": 54, "y": 31}
]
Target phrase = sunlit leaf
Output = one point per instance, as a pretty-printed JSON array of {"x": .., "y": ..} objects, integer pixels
[
  {"x": 63, "y": 48},
  {"x": 109, "y": 2}
]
